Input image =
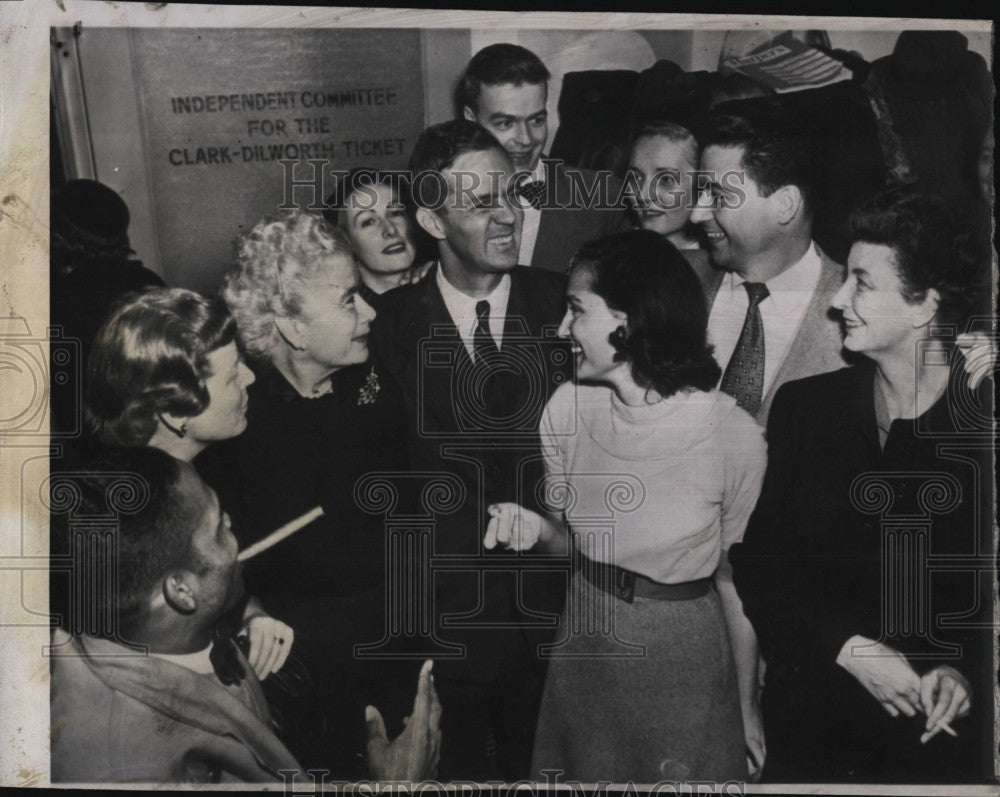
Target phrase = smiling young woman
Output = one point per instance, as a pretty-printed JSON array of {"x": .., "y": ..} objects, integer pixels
[{"x": 644, "y": 420}]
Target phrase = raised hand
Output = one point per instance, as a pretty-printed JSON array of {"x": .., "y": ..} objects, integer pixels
[
  {"x": 413, "y": 755},
  {"x": 512, "y": 526}
]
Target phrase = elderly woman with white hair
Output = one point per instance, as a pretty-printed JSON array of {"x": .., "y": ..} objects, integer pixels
[{"x": 320, "y": 417}]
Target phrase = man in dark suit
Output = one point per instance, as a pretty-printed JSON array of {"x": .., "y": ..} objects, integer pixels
[
  {"x": 473, "y": 347},
  {"x": 505, "y": 89},
  {"x": 769, "y": 286}
]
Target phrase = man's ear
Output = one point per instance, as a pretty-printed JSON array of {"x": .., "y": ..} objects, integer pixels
[
  {"x": 468, "y": 114},
  {"x": 788, "y": 203},
  {"x": 431, "y": 222},
  {"x": 291, "y": 330},
  {"x": 178, "y": 591}
]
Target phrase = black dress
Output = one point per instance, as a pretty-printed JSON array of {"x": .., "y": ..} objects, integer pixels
[
  {"x": 893, "y": 543},
  {"x": 327, "y": 581}
]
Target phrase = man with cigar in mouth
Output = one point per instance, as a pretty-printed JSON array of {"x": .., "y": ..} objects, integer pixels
[{"x": 160, "y": 694}]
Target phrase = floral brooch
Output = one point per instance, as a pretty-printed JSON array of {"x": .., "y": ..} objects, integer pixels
[{"x": 368, "y": 392}]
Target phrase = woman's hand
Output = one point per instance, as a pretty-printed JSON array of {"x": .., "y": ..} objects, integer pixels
[
  {"x": 270, "y": 643},
  {"x": 417, "y": 273},
  {"x": 414, "y": 274},
  {"x": 753, "y": 733},
  {"x": 945, "y": 696},
  {"x": 885, "y": 673},
  {"x": 514, "y": 527}
]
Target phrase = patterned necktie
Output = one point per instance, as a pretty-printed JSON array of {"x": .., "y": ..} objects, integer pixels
[
  {"x": 483, "y": 344},
  {"x": 744, "y": 377},
  {"x": 534, "y": 192}
]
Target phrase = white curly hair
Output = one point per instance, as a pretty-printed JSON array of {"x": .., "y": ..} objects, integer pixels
[{"x": 274, "y": 261}]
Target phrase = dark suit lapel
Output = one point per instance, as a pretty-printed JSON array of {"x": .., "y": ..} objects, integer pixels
[
  {"x": 557, "y": 225},
  {"x": 546, "y": 243},
  {"x": 708, "y": 275},
  {"x": 519, "y": 324},
  {"x": 431, "y": 349},
  {"x": 528, "y": 314}
]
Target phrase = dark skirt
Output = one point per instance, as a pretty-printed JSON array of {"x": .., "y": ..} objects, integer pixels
[{"x": 642, "y": 691}]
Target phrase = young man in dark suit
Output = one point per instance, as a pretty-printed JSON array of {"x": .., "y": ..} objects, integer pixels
[
  {"x": 473, "y": 347},
  {"x": 505, "y": 89}
]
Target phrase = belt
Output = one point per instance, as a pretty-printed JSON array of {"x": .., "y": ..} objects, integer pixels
[{"x": 627, "y": 586}]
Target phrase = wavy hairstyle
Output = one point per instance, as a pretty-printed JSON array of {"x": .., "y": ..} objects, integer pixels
[
  {"x": 274, "y": 263},
  {"x": 361, "y": 178},
  {"x": 933, "y": 247},
  {"x": 151, "y": 357},
  {"x": 641, "y": 274}
]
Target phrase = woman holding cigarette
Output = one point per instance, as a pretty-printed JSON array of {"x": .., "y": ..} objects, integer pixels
[
  {"x": 654, "y": 474},
  {"x": 864, "y": 566},
  {"x": 321, "y": 417},
  {"x": 164, "y": 372}
]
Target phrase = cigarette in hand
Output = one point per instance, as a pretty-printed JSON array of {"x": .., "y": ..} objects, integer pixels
[
  {"x": 278, "y": 535},
  {"x": 940, "y": 725}
]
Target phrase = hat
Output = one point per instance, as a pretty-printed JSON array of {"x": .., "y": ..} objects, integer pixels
[
  {"x": 665, "y": 91},
  {"x": 90, "y": 212},
  {"x": 931, "y": 64}
]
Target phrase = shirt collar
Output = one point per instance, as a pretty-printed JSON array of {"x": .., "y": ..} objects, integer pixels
[
  {"x": 462, "y": 307},
  {"x": 200, "y": 661},
  {"x": 785, "y": 290},
  {"x": 539, "y": 172}
]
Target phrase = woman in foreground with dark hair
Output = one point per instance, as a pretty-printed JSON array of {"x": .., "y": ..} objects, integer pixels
[
  {"x": 868, "y": 563},
  {"x": 654, "y": 473}
]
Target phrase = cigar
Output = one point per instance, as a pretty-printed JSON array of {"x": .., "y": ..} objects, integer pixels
[{"x": 279, "y": 534}]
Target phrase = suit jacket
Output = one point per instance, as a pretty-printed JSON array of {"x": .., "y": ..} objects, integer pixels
[
  {"x": 822, "y": 551},
  {"x": 818, "y": 346},
  {"x": 118, "y": 716},
  {"x": 481, "y": 603},
  {"x": 563, "y": 228}
]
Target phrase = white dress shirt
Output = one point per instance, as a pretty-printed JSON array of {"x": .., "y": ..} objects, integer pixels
[
  {"x": 200, "y": 661},
  {"x": 462, "y": 309},
  {"x": 781, "y": 312},
  {"x": 532, "y": 220}
]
